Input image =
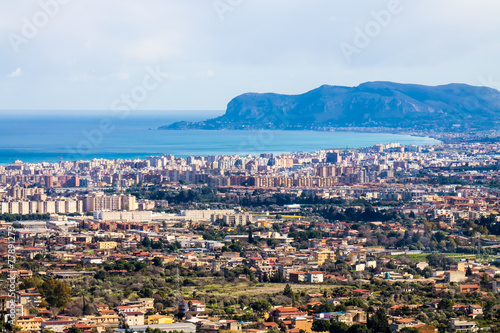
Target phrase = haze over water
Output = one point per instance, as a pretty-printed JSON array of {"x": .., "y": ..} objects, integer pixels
[{"x": 48, "y": 138}]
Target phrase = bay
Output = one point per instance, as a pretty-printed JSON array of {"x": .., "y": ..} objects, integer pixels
[{"x": 48, "y": 138}]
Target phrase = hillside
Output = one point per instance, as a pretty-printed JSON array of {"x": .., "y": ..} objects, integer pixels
[{"x": 373, "y": 104}]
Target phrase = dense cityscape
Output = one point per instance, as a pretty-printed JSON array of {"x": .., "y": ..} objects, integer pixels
[
  {"x": 389, "y": 238},
  {"x": 231, "y": 166}
]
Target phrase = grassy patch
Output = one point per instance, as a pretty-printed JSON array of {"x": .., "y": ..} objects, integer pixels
[
  {"x": 423, "y": 256},
  {"x": 246, "y": 288}
]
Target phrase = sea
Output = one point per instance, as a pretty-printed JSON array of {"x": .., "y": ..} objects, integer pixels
[{"x": 46, "y": 137}]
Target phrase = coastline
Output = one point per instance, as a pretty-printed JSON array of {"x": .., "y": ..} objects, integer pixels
[
  {"x": 184, "y": 143},
  {"x": 442, "y": 136}
]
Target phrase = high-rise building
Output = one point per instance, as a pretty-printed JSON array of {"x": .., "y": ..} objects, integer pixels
[{"x": 333, "y": 157}]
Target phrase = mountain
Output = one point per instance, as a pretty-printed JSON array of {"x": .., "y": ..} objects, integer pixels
[{"x": 452, "y": 107}]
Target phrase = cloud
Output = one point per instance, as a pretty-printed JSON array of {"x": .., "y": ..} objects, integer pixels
[
  {"x": 16, "y": 73},
  {"x": 208, "y": 73},
  {"x": 82, "y": 59},
  {"x": 123, "y": 76}
]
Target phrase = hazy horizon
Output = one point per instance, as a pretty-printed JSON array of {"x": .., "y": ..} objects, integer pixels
[{"x": 94, "y": 113}]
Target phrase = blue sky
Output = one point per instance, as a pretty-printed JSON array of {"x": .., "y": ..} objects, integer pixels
[{"x": 198, "y": 54}]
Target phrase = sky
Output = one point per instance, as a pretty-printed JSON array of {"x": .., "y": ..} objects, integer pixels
[{"x": 76, "y": 56}]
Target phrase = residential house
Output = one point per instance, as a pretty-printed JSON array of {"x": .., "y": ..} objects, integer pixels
[
  {"x": 31, "y": 252},
  {"x": 29, "y": 323},
  {"x": 398, "y": 324},
  {"x": 158, "y": 319},
  {"x": 422, "y": 328},
  {"x": 192, "y": 308},
  {"x": 297, "y": 276},
  {"x": 321, "y": 256},
  {"x": 281, "y": 313},
  {"x": 302, "y": 323},
  {"x": 314, "y": 277},
  {"x": 468, "y": 288},
  {"x": 454, "y": 276},
  {"x": 463, "y": 326},
  {"x": 362, "y": 292},
  {"x": 57, "y": 325},
  {"x": 29, "y": 298},
  {"x": 132, "y": 318}
]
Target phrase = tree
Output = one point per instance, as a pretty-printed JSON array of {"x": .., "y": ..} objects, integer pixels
[
  {"x": 146, "y": 242},
  {"x": 158, "y": 307},
  {"x": 359, "y": 328},
  {"x": 28, "y": 283},
  {"x": 272, "y": 243},
  {"x": 338, "y": 327},
  {"x": 445, "y": 304},
  {"x": 157, "y": 261},
  {"x": 288, "y": 292},
  {"x": 326, "y": 307},
  {"x": 56, "y": 293},
  {"x": 378, "y": 322},
  {"x": 440, "y": 260},
  {"x": 409, "y": 330},
  {"x": 100, "y": 275},
  {"x": 485, "y": 279},
  {"x": 321, "y": 325},
  {"x": 146, "y": 292},
  {"x": 354, "y": 301},
  {"x": 250, "y": 235},
  {"x": 468, "y": 272},
  {"x": 278, "y": 277},
  {"x": 74, "y": 329},
  {"x": 261, "y": 307}
]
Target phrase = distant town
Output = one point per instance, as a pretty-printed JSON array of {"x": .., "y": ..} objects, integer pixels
[{"x": 389, "y": 238}]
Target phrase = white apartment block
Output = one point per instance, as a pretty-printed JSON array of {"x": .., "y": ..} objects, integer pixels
[
  {"x": 129, "y": 216},
  {"x": 65, "y": 206},
  {"x": 204, "y": 215}
]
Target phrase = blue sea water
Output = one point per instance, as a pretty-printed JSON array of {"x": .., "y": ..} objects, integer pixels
[{"x": 39, "y": 138}]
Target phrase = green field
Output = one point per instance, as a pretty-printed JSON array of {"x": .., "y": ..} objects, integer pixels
[
  {"x": 254, "y": 289},
  {"x": 421, "y": 256}
]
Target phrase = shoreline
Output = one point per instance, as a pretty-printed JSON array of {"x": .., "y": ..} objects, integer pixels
[{"x": 237, "y": 148}]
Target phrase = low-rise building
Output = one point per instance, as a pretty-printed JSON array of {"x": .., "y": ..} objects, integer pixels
[
  {"x": 463, "y": 326},
  {"x": 158, "y": 319},
  {"x": 132, "y": 318}
]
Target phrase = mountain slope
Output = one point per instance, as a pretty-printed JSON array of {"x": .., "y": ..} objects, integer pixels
[{"x": 372, "y": 104}]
